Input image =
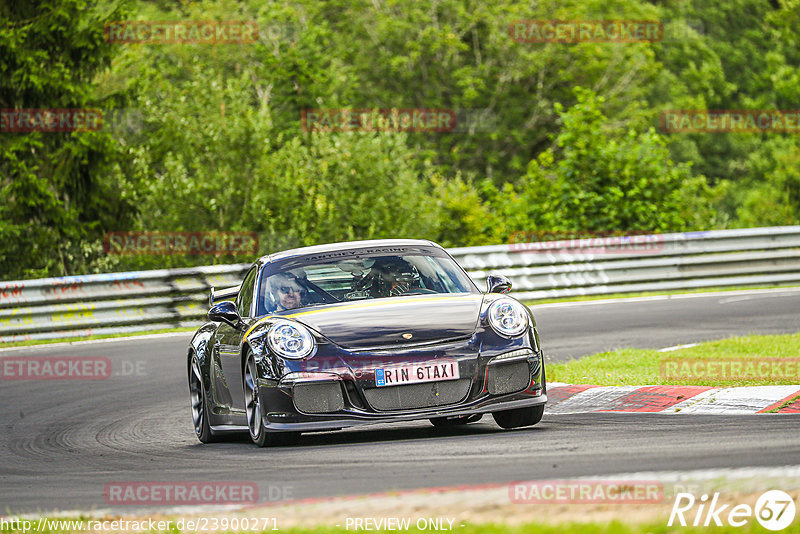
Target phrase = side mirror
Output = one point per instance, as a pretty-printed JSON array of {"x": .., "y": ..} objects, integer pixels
[
  {"x": 225, "y": 312},
  {"x": 497, "y": 283}
]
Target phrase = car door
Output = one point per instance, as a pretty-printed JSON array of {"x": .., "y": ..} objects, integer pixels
[{"x": 229, "y": 343}]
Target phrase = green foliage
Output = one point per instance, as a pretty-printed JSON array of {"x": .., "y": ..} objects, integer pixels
[
  {"x": 228, "y": 159},
  {"x": 458, "y": 54},
  {"x": 465, "y": 218},
  {"x": 600, "y": 178},
  {"x": 56, "y": 195},
  {"x": 216, "y": 141},
  {"x": 774, "y": 199}
]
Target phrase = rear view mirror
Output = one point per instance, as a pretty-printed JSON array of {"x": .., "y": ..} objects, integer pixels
[
  {"x": 497, "y": 283},
  {"x": 225, "y": 312}
]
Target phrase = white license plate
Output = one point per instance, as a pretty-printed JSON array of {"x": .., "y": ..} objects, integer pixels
[{"x": 415, "y": 373}]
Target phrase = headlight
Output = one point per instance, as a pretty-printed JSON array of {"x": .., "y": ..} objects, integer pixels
[
  {"x": 290, "y": 340},
  {"x": 508, "y": 317}
]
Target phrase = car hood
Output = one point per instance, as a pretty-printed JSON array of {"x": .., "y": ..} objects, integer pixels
[{"x": 383, "y": 322}]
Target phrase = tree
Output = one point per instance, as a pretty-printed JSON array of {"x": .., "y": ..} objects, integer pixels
[
  {"x": 601, "y": 178},
  {"x": 57, "y": 201}
]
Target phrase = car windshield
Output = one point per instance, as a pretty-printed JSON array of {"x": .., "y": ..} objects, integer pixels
[{"x": 359, "y": 276}]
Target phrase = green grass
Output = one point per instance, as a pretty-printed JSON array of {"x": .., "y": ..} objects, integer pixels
[
  {"x": 649, "y": 367},
  {"x": 614, "y": 527},
  {"x": 89, "y": 338},
  {"x": 652, "y": 294}
]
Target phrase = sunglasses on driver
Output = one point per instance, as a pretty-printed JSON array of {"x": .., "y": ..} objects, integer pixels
[{"x": 293, "y": 289}]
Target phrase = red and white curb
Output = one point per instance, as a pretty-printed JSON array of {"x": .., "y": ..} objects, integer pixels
[{"x": 584, "y": 398}]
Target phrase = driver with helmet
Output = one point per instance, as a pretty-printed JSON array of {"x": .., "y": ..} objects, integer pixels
[{"x": 393, "y": 277}]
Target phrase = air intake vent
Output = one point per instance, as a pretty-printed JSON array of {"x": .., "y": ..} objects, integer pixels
[
  {"x": 508, "y": 377},
  {"x": 321, "y": 397},
  {"x": 413, "y": 396}
]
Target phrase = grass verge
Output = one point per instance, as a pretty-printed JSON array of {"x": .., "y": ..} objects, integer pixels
[{"x": 737, "y": 361}]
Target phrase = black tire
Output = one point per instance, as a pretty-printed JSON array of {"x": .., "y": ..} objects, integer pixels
[
  {"x": 285, "y": 439},
  {"x": 447, "y": 422},
  {"x": 255, "y": 413},
  {"x": 199, "y": 398},
  {"x": 519, "y": 417}
]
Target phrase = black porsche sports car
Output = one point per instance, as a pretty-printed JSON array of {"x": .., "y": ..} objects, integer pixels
[{"x": 331, "y": 336}]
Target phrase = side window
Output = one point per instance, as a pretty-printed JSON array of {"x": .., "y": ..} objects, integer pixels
[{"x": 245, "y": 298}]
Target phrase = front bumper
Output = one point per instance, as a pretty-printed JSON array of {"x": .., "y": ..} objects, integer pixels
[
  {"x": 350, "y": 420},
  {"x": 334, "y": 398}
]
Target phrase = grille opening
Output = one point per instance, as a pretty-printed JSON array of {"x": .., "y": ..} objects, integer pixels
[
  {"x": 508, "y": 377},
  {"x": 322, "y": 397},
  {"x": 412, "y": 396}
]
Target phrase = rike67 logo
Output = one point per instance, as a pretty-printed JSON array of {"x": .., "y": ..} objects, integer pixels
[{"x": 774, "y": 510}]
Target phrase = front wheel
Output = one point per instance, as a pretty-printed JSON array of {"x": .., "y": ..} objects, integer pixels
[
  {"x": 519, "y": 416},
  {"x": 255, "y": 412},
  {"x": 197, "y": 391}
]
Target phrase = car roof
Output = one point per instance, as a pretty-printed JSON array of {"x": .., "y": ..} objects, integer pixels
[{"x": 345, "y": 245}]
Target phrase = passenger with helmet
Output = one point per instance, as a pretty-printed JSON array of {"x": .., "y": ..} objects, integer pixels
[{"x": 393, "y": 276}]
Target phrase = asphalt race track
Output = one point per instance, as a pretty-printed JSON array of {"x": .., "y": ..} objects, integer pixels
[{"x": 62, "y": 441}]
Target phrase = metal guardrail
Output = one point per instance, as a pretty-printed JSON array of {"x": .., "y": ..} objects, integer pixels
[
  {"x": 660, "y": 262},
  {"x": 79, "y": 306}
]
